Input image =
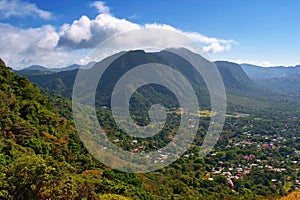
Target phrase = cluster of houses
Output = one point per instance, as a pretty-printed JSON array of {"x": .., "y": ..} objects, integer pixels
[{"x": 257, "y": 143}]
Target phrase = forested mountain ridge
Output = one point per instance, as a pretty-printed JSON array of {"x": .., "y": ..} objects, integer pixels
[
  {"x": 244, "y": 78},
  {"x": 237, "y": 83},
  {"x": 233, "y": 75}
]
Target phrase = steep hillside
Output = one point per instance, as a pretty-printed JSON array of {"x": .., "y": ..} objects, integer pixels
[
  {"x": 41, "y": 156},
  {"x": 233, "y": 76},
  {"x": 60, "y": 82}
]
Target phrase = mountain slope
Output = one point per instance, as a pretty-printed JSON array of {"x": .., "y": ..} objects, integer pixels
[
  {"x": 243, "y": 94},
  {"x": 233, "y": 76},
  {"x": 41, "y": 156},
  {"x": 288, "y": 84},
  {"x": 60, "y": 82},
  {"x": 235, "y": 79}
]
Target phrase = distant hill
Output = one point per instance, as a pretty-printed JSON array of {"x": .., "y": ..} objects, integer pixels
[
  {"x": 257, "y": 72},
  {"x": 68, "y": 68},
  {"x": 280, "y": 79},
  {"x": 36, "y": 68},
  {"x": 40, "y": 68},
  {"x": 288, "y": 84}
]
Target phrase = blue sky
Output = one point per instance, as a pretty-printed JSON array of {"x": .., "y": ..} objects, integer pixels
[{"x": 264, "y": 32}]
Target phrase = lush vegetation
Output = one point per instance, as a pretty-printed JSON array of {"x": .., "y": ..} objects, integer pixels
[{"x": 42, "y": 157}]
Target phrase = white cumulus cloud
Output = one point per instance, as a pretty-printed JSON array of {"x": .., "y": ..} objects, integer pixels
[
  {"x": 19, "y": 8},
  {"x": 23, "y": 47},
  {"x": 78, "y": 31},
  {"x": 101, "y": 7},
  {"x": 88, "y": 33}
]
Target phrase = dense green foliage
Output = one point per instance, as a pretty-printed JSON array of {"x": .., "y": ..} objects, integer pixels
[{"x": 42, "y": 157}]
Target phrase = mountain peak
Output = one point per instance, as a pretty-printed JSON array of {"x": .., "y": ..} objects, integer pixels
[{"x": 36, "y": 67}]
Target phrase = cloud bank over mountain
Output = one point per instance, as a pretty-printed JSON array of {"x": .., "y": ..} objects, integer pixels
[{"x": 60, "y": 46}]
